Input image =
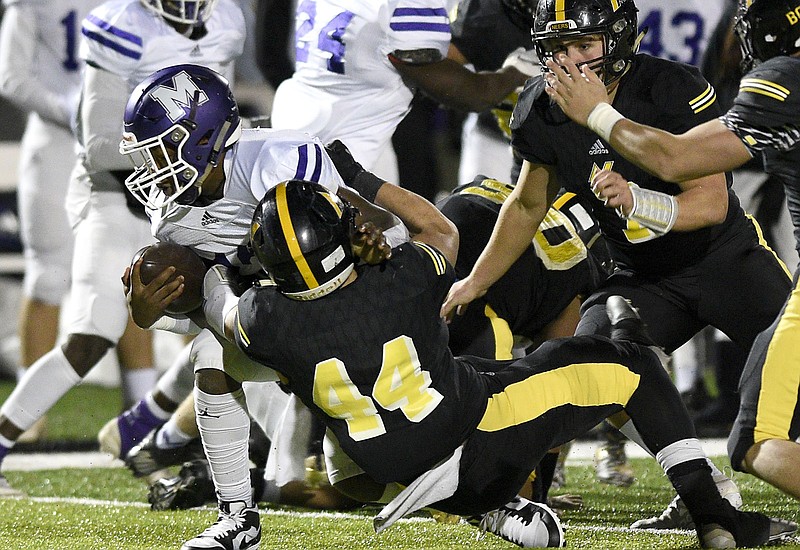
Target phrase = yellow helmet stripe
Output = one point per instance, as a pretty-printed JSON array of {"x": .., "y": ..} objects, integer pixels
[
  {"x": 615, "y": 5},
  {"x": 291, "y": 237},
  {"x": 560, "y": 10}
]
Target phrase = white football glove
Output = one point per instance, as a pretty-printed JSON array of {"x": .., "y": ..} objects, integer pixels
[{"x": 525, "y": 61}]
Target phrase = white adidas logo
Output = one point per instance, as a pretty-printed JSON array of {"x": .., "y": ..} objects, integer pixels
[{"x": 598, "y": 149}]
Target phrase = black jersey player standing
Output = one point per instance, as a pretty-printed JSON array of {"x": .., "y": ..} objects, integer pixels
[
  {"x": 364, "y": 347},
  {"x": 764, "y": 120},
  {"x": 687, "y": 256}
]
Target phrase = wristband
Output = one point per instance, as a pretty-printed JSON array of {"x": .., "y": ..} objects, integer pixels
[
  {"x": 602, "y": 120},
  {"x": 367, "y": 184},
  {"x": 652, "y": 209},
  {"x": 182, "y": 325}
]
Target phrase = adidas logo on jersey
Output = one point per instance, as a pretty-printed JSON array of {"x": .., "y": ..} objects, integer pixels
[
  {"x": 208, "y": 219},
  {"x": 196, "y": 52},
  {"x": 598, "y": 149}
]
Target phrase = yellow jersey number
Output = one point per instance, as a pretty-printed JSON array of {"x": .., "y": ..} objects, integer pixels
[{"x": 401, "y": 384}]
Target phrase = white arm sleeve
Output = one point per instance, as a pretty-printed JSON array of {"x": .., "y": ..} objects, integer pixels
[
  {"x": 102, "y": 109},
  {"x": 18, "y": 79}
]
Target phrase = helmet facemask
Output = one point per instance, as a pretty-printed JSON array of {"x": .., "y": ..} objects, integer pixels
[
  {"x": 185, "y": 12},
  {"x": 158, "y": 159},
  {"x": 617, "y": 29}
]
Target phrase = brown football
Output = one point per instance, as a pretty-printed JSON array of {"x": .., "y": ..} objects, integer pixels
[{"x": 157, "y": 257}]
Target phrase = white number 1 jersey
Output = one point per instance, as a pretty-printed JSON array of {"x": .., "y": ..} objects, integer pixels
[
  {"x": 220, "y": 231},
  {"x": 344, "y": 86}
]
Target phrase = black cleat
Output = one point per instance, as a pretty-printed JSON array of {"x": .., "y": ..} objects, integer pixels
[
  {"x": 192, "y": 487},
  {"x": 146, "y": 458}
]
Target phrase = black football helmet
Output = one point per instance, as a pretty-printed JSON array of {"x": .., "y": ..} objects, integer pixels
[
  {"x": 614, "y": 20},
  {"x": 766, "y": 29},
  {"x": 520, "y": 12},
  {"x": 301, "y": 234}
]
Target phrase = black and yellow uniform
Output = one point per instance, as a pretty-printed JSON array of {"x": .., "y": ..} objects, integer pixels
[
  {"x": 567, "y": 258},
  {"x": 722, "y": 275},
  {"x": 371, "y": 360},
  {"x": 766, "y": 116}
]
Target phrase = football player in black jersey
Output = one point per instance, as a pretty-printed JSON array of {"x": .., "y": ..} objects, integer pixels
[
  {"x": 365, "y": 349},
  {"x": 687, "y": 256},
  {"x": 764, "y": 120}
]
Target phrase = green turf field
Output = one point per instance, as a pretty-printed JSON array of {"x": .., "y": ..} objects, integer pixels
[{"x": 106, "y": 509}]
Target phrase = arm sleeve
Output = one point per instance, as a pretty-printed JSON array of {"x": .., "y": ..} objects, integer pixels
[
  {"x": 102, "y": 110},
  {"x": 18, "y": 80},
  {"x": 417, "y": 25}
]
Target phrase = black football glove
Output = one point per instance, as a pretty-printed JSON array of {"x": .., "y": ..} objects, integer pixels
[
  {"x": 345, "y": 164},
  {"x": 353, "y": 174}
]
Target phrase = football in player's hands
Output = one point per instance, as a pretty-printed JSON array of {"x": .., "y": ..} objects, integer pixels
[{"x": 158, "y": 257}]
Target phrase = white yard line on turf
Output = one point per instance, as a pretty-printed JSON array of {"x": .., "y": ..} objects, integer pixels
[{"x": 581, "y": 452}]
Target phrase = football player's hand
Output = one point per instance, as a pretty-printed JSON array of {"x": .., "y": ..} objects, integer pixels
[
  {"x": 370, "y": 245},
  {"x": 611, "y": 188},
  {"x": 147, "y": 302},
  {"x": 461, "y": 294},
  {"x": 576, "y": 91},
  {"x": 345, "y": 164}
]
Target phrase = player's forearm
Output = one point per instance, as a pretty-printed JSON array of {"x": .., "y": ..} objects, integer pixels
[
  {"x": 423, "y": 220},
  {"x": 703, "y": 203},
  {"x": 102, "y": 110},
  {"x": 707, "y": 149},
  {"x": 456, "y": 86},
  {"x": 513, "y": 232}
]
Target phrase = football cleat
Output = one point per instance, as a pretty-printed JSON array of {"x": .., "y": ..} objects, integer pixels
[
  {"x": 192, "y": 487},
  {"x": 146, "y": 457},
  {"x": 611, "y": 465},
  {"x": 7, "y": 491},
  {"x": 238, "y": 527},
  {"x": 677, "y": 516},
  {"x": 120, "y": 434},
  {"x": 746, "y": 529},
  {"x": 527, "y": 524}
]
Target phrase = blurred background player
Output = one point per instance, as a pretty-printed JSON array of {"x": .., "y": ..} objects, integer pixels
[
  {"x": 123, "y": 42},
  {"x": 40, "y": 72},
  {"x": 358, "y": 64},
  {"x": 484, "y": 33}
]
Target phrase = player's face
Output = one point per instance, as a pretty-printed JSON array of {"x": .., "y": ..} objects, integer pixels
[
  {"x": 579, "y": 50},
  {"x": 159, "y": 162}
]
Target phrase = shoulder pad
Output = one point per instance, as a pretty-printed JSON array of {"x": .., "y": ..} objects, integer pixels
[{"x": 533, "y": 89}]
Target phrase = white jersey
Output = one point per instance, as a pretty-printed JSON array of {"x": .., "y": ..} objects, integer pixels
[
  {"x": 39, "y": 64},
  {"x": 220, "y": 231},
  {"x": 344, "y": 86},
  {"x": 129, "y": 40},
  {"x": 679, "y": 29}
]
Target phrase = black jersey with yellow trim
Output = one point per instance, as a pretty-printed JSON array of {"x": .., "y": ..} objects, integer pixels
[
  {"x": 665, "y": 94},
  {"x": 371, "y": 360},
  {"x": 560, "y": 263},
  {"x": 766, "y": 117}
]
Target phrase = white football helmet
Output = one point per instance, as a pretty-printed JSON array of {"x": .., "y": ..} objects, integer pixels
[{"x": 187, "y": 12}]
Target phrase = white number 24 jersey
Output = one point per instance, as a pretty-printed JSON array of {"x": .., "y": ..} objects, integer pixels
[{"x": 344, "y": 86}]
